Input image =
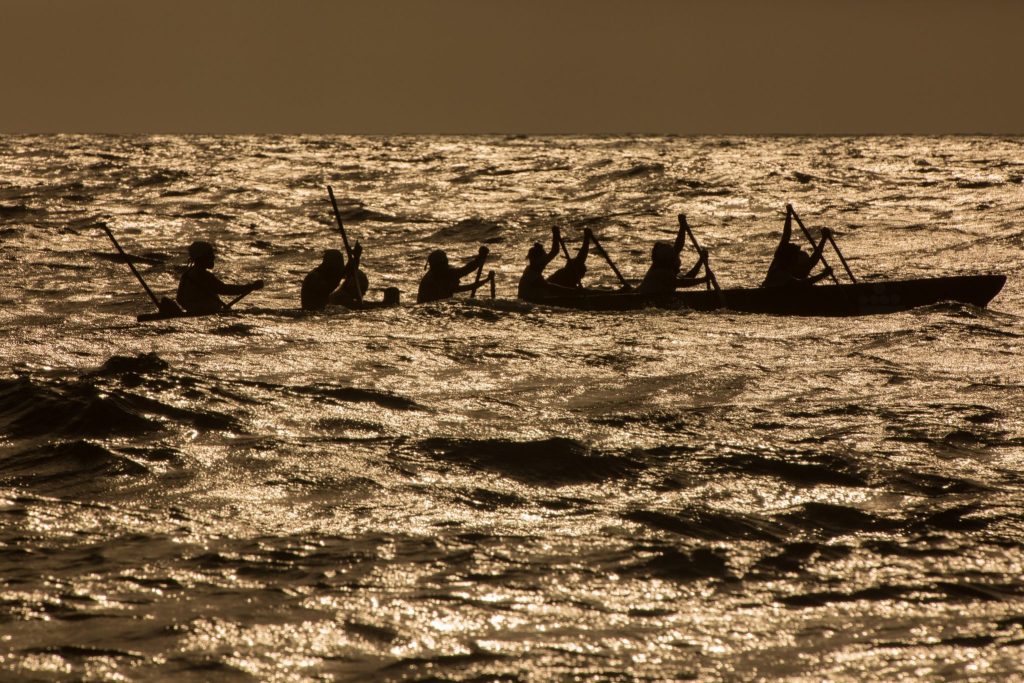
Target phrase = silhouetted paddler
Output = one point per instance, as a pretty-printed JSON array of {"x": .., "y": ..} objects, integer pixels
[
  {"x": 533, "y": 286},
  {"x": 663, "y": 275},
  {"x": 347, "y": 294},
  {"x": 791, "y": 265},
  {"x": 198, "y": 288},
  {"x": 322, "y": 280},
  {"x": 571, "y": 274},
  {"x": 441, "y": 280}
]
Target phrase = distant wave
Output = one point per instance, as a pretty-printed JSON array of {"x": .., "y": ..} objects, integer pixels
[
  {"x": 470, "y": 230},
  {"x": 637, "y": 170},
  {"x": 65, "y": 465},
  {"x": 161, "y": 177},
  {"x": 549, "y": 462}
]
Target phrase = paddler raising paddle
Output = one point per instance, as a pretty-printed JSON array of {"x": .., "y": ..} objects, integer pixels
[
  {"x": 571, "y": 274},
  {"x": 354, "y": 282},
  {"x": 533, "y": 286},
  {"x": 663, "y": 275},
  {"x": 322, "y": 280},
  {"x": 791, "y": 265},
  {"x": 198, "y": 287},
  {"x": 441, "y": 280}
]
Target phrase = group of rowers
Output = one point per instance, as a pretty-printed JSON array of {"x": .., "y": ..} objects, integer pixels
[{"x": 337, "y": 282}]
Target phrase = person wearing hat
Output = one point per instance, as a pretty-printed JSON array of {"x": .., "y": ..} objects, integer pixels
[
  {"x": 198, "y": 288},
  {"x": 441, "y": 280}
]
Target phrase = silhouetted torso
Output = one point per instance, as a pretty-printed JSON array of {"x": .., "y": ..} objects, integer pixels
[
  {"x": 346, "y": 294},
  {"x": 438, "y": 284},
  {"x": 532, "y": 284},
  {"x": 791, "y": 265},
  {"x": 659, "y": 280},
  {"x": 569, "y": 275},
  {"x": 317, "y": 287},
  {"x": 198, "y": 290}
]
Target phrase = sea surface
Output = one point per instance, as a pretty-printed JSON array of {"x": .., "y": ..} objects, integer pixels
[{"x": 490, "y": 490}]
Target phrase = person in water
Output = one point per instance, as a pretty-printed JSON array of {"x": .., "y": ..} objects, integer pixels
[
  {"x": 198, "y": 288},
  {"x": 441, "y": 280},
  {"x": 354, "y": 283},
  {"x": 571, "y": 274},
  {"x": 791, "y": 265},
  {"x": 663, "y": 275}
]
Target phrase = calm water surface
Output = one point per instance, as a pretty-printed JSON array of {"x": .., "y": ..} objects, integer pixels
[{"x": 493, "y": 490}]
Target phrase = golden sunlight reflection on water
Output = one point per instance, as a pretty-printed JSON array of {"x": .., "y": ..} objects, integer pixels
[{"x": 479, "y": 490}]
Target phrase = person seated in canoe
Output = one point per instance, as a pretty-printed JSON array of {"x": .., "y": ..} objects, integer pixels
[
  {"x": 571, "y": 274},
  {"x": 198, "y": 288},
  {"x": 533, "y": 286},
  {"x": 791, "y": 265},
  {"x": 354, "y": 283},
  {"x": 441, "y": 280},
  {"x": 663, "y": 275},
  {"x": 322, "y": 280}
]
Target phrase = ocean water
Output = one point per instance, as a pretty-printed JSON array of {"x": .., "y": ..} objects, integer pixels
[{"x": 491, "y": 490}]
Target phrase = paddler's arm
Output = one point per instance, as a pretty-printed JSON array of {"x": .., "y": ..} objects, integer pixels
[
  {"x": 820, "y": 276},
  {"x": 584, "y": 251},
  {"x": 472, "y": 264},
  {"x": 770, "y": 279},
  {"x": 556, "y": 238},
  {"x": 219, "y": 287},
  {"x": 681, "y": 235},
  {"x": 701, "y": 262},
  {"x": 690, "y": 281},
  {"x": 353, "y": 263},
  {"x": 470, "y": 286},
  {"x": 816, "y": 256},
  {"x": 787, "y": 229}
]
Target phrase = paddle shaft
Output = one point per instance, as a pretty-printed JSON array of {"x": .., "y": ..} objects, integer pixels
[
  {"x": 479, "y": 272},
  {"x": 344, "y": 239},
  {"x": 696, "y": 245},
  {"x": 807, "y": 234},
  {"x": 611, "y": 263},
  {"x": 842, "y": 259},
  {"x": 237, "y": 299},
  {"x": 565, "y": 250},
  {"x": 156, "y": 302},
  {"x": 341, "y": 226},
  {"x": 490, "y": 276}
]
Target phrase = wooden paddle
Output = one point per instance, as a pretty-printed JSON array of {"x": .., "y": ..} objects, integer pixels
[
  {"x": 712, "y": 280},
  {"x": 842, "y": 259},
  {"x": 565, "y": 250},
  {"x": 611, "y": 263},
  {"x": 490, "y": 276},
  {"x": 164, "y": 305},
  {"x": 807, "y": 233},
  {"x": 344, "y": 239},
  {"x": 479, "y": 272},
  {"x": 238, "y": 298}
]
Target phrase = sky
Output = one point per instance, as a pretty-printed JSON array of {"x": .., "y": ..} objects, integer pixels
[{"x": 522, "y": 66}]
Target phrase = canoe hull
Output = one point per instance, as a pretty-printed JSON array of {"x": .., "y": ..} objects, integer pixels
[
  {"x": 863, "y": 298},
  {"x": 364, "y": 306}
]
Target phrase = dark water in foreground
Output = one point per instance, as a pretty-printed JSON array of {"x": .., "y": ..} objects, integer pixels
[{"x": 496, "y": 490}]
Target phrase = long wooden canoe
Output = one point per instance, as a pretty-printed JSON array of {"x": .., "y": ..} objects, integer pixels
[
  {"x": 862, "y": 298},
  {"x": 362, "y": 306}
]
